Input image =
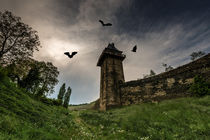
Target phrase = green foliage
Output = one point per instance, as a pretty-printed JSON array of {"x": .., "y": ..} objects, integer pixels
[
  {"x": 200, "y": 87},
  {"x": 49, "y": 74},
  {"x": 17, "y": 39},
  {"x": 49, "y": 101},
  {"x": 32, "y": 80},
  {"x": 23, "y": 118},
  {"x": 57, "y": 102},
  {"x": 18, "y": 70},
  {"x": 67, "y": 97},
  {"x": 17, "y": 44},
  {"x": 186, "y": 118},
  {"x": 39, "y": 78},
  {"x": 168, "y": 120},
  {"x": 3, "y": 73},
  {"x": 8, "y": 125},
  {"x": 62, "y": 92}
]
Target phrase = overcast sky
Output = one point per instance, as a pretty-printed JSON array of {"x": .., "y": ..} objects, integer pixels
[{"x": 165, "y": 31}]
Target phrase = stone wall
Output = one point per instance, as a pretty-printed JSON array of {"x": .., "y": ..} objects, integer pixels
[{"x": 172, "y": 84}]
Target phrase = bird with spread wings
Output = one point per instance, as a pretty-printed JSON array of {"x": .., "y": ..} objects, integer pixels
[
  {"x": 70, "y": 55},
  {"x": 105, "y": 24}
]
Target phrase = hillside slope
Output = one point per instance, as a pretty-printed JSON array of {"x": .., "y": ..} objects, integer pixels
[
  {"x": 22, "y": 117},
  {"x": 186, "y": 118}
]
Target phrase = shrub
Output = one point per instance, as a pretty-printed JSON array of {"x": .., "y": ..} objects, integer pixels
[
  {"x": 57, "y": 102},
  {"x": 46, "y": 101},
  {"x": 200, "y": 87},
  {"x": 8, "y": 125},
  {"x": 49, "y": 101},
  {"x": 3, "y": 73}
]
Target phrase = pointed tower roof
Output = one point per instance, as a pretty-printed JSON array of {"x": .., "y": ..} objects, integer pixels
[
  {"x": 110, "y": 50},
  {"x": 111, "y": 46}
]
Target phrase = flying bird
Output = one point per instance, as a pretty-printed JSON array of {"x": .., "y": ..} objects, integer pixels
[
  {"x": 134, "y": 49},
  {"x": 70, "y": 55},
  {"x": 105, "y": 24}
]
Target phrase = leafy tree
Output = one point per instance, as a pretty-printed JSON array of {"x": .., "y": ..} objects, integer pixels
[
  {"x": 152, "y": 73},
  {"x": 19, "y": 70},
  {"x": 49, "y": 74},
  {"x": 38, "y": 77},
  {"x": 67, "y": 97},
  {"x": 196, "y": 55},
  {"x": 62, "y": 92},
  {"x": 17, "y": 39},
  {"x": 167, "y": 67},
  {"x": 32, "y": 80}
]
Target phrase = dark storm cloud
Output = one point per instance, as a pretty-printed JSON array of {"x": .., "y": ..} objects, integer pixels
[
  {"x": 66, "y": 10},
  {"x": 144, "y": 16},
  {"x": 165, "y": 31}
]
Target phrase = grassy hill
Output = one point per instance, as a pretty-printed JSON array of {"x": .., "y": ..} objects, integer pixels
[
  {"x": 88, "y": 106},
  {"x": 22, "y": 117}
]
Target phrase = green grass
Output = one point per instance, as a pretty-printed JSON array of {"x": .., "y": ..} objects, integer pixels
[
  {"x": 23, "y": 118},
  {"x": 186, "y": 118},
  {"x": 82, "y": 106}
]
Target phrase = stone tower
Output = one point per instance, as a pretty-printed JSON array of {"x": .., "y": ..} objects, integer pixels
[{"x": 112, "y": 74}]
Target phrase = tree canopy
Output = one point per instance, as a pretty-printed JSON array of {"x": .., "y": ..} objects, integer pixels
[
  {"x": 167, "y": 67},
  {"x": 62, "y": 92},
  {"x": 67, "y": 97},
  {"x": 49, "y": 74},
  {"x": 17, "y": 39},
  {"x": 37, "y": 77},
  {"x": 152, "y": 73}
]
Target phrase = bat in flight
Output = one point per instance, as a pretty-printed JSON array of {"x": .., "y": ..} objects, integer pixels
[
  {"x": 105, "y": 24},
  {"x": 134, "y": 49},
  {"x": 70, "y": 55}
]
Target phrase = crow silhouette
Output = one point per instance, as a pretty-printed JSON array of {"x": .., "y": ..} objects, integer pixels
[
  {"x": 105, "y": 24},
  {"x": 134, "y": 49},
  {"x": 72, "y": 54}
]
